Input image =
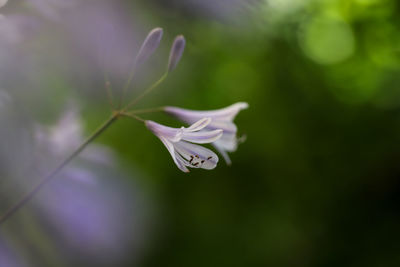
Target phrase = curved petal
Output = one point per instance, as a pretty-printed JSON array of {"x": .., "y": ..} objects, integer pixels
[
  {"x": 227, "y": 142},
  {"x": 171, "y": 150},
  {"x": 223, "y": 153},
  {"x": 198, "y": 125},
  {"x": 226, "y": 126},
  {"x": 202, "y": 137},
  {"x": 196, "y": 156},
  {"x": 182, "y": 161},
  {"x": 172, "y": 134},
  {"x": 189, "y": 116}
]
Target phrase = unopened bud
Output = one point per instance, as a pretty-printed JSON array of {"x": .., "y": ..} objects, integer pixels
[
  {"x": 149, "y": 45},
  {"x": 176, "y": 52}
]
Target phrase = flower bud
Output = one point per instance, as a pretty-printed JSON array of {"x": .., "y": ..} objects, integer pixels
[
  {"x": 149, "y": 45},
  {"x": 176, "y": 52}
]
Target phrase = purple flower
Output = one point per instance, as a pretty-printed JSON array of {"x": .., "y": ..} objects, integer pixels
[
  {"x": 15, "y": 28},
  {"x": 179, "y": 142},
  {"x": 104, "y": 33},
  {"x": 89, "y": 216},
  {"x": 66, "y": 135},
  {"x": 53, "y": 9},
  {"x": 8, "y": 258},
  {"x": 86, "y": 206},
  {"x": 220, "y": 119}
]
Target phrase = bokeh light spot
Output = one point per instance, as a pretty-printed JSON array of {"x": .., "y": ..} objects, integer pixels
[
  {"x": 327, "y": 40},
  {"x": 383, "y": 45}
]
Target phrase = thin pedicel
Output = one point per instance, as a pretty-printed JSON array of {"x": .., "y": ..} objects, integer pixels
[
  {"x": 184, "y": 144},
  {"x": 143, "y": 54}
]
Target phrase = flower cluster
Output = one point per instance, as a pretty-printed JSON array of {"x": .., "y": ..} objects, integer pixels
[
  {"x": 214, "y": 127},
  {"x": 220, "y": 119},
  {"x": 85, "y": 215}
]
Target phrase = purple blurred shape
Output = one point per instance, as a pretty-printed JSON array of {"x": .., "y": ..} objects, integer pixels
[
  {"x": 7, "y": 256},
  {"x": 92, "y": 211},
  {"x": 104, "y": 32}
]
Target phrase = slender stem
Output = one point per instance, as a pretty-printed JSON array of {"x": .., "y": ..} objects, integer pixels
[
  {"x": 109, "y": 94},
  {"x": 145, "y": 92},
  {"x": 147, "y": 110},
  {"x": 130, "y": 115},
  {"x": 46, "y": 179},
  {"x": 127, "y": 84},
  {"x": 108, "y": 87}
]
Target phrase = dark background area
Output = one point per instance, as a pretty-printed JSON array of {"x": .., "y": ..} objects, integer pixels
[{"x": 317, "y": 181}]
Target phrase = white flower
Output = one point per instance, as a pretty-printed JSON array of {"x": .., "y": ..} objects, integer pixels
[
  {"x": 179, "y": 142},
  {"x": 220, "y": 119}
]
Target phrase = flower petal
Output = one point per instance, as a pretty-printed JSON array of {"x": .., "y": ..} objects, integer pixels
[
  {"x": 227, "y": 142},
  {"x": 171, "y": 150},
  {"x": 190, "y": 116},
  {"x": 198, "y": 125},
  {"x": 202, "y": 137},
  {"x": 172, "y": 134},
  {"x": 196, "y": 156},
  {"x": 223, "y": 153},
  {"x": 226, "y": 126}
]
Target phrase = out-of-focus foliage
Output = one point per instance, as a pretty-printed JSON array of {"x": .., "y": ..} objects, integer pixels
[{"x": 316, "y": 183}]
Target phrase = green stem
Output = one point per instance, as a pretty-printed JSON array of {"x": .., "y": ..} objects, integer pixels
[
  {"x": 133, "y": 116},
  {"x": 46, "y": 179},
  {"x": 127, "y": 84},
  {"x": 147, "y": 110},
  {"x": 145, "y": 92},
  {"x": 110, "y": 95}
]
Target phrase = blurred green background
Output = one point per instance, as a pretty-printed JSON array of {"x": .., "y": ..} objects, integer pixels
[{"x": 317, "y": 182}]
